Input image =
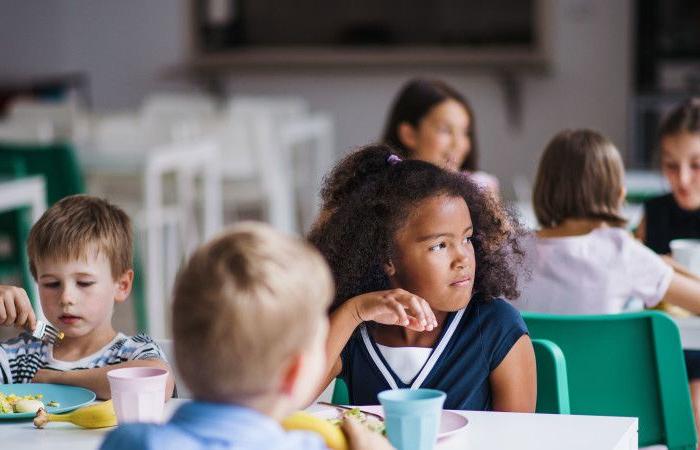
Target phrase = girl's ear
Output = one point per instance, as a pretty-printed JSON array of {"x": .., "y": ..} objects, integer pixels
[
  {"x": 408, "y": 135},
  {"x": 389, "y": 268}
]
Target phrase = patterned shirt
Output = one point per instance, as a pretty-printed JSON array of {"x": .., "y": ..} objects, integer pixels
[{"x": 21, "y": 357}]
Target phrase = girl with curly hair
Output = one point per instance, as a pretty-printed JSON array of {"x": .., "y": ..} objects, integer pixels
[{"x": 420, "y": 258}]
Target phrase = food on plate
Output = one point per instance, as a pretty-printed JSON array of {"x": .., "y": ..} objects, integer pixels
[
  {"x": 331, "y": 434},
  {"x": 373, "y": 423},
  {"x": 53, "y": 404},
  {"x": 26, "y": 405},
  {"x": 11, "y": 403}
]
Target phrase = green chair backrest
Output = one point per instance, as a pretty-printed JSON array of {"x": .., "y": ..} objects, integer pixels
[
  {"x": 552, "y": 382},
  {"x": 59, "y": 167},
  {"x": 56, "y": 162},
  {"x": 625, "y": 365},
  {"x": 341, "y": 395}
]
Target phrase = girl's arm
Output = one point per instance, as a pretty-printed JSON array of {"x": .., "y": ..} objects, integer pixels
[
  {"x": 514, "y": 381},
  {"x": 96, "y": 379},
  {"x": 679, "y": 268},
  {"x": 392, "y": 307},
  {"x": 684, "y": 291}
]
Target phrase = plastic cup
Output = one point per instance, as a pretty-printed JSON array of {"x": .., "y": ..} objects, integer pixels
[
  {"x": 412, "y": 417},
  {"x": 687, "y": 253},
  {"x": 138, "y": 393}
]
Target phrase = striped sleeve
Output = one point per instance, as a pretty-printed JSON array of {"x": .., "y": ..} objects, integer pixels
[
  {"x": 20, "y": 358},
  {"x": 141, "y": 347}
]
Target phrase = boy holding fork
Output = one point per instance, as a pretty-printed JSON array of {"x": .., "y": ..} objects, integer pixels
[{"x": 80, "y": 254}]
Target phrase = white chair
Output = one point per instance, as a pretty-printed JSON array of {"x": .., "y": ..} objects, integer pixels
[
  {"x": 167, "y": 346},
  {"x": 61, "y": 115},
  {"x": 29, "y": 131},
  {"x": 276, "y": 143},
  {"x": 173, "y": 229}
]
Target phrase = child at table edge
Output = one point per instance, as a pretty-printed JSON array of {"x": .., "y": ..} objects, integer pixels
[{"x": 80, "y": 254}]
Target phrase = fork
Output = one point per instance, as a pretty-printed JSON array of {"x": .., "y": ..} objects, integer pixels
[
  {"x": 348, "y": 408},
  {"x": 47, "y": 332}
]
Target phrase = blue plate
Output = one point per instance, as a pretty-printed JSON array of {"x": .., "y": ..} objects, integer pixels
[{"x": 68, "y": 397}]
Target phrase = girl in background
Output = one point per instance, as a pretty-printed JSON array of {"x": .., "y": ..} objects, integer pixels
[
  {"x": 676, "y": 215},
  {"x": 431, "y": 121}
]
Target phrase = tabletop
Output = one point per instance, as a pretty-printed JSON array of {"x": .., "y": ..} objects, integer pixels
[{"x": 486, "y": 430}]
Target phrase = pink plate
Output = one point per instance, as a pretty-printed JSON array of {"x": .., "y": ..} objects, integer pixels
[{"x": 450, "y": 422}]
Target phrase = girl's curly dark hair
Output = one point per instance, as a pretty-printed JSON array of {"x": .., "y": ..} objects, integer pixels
[{"x": 367, "y": 199}]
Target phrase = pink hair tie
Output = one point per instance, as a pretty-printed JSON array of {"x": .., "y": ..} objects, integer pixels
[{"x": 393, "y": 159}]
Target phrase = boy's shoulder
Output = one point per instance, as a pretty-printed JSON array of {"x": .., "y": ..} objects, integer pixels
[
  {"x": 139, "y": 346},
  {"x": 142, "y": 436}
]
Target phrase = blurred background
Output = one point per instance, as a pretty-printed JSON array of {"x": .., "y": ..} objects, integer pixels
[{"x": 192, "y": 114}]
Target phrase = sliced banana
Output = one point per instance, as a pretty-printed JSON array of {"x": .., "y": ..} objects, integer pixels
[{"x": 28, "y": 406}]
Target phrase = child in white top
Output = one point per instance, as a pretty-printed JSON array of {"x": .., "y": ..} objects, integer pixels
[
  {"x": 582, "y": 261},
  {"x": 609, "y": 269}
]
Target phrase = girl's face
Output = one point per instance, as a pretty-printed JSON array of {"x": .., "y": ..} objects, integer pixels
[
  {"x": 680, "y": 164},
  {"x": 441, "y": 137},
  {"x": 434, "y": 256}
]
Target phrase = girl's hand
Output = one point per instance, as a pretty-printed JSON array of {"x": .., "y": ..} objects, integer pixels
[
  {"x": 15, "y": 308},
  {"x": 395, "y": 307}
]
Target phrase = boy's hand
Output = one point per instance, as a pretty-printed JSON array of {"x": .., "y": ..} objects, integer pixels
[
  {"x": 15, "y": 308},
  {"x": 395, "y": 307},
  {"x": 362, "y": 438}
]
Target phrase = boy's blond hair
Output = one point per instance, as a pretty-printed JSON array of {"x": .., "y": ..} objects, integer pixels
[
  {"x": 244, "y": 303},
  {"x": 71, "y": 227},
  {"x": 580, "y": 176}
]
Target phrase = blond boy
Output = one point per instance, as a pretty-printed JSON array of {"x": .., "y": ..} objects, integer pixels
[
  {"x": 80, "y": 254},
  {"x": 249, "y": 321}
]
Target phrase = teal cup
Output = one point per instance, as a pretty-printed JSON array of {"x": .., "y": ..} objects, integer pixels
[{"x": 412, "y": 417}]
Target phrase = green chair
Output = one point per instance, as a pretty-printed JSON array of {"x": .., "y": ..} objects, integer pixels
[
  {"x": 59, "y": 167},
  {"x": 625, "y": 365},
  {"x": 14, "y": 229},
  {"x": 552, "y": 381},
  {"x": 341, "y": 395},
  {"x": 552, "y": 386}
]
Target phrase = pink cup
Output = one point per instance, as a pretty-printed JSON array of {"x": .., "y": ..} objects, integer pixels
[{"x": 138, "y": 393}]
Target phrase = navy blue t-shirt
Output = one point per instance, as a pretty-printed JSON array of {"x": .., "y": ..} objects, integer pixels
[{"x": 472, "y": 343}]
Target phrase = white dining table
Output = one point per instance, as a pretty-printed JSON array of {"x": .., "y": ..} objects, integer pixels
[{"x": 485, "y": 430}]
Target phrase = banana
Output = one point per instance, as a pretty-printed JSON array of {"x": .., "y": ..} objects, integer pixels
[
  {"x": 331, "y": 434},
  {"x": 98, "y": 415}
]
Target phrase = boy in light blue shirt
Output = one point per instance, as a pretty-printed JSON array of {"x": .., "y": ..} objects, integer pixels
[{"x": 249, "y": 323}]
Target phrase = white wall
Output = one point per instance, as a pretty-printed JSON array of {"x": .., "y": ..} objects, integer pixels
[{"x": 124, "y": 45}]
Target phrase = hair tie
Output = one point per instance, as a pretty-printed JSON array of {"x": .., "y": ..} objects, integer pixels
[{"x": 393, "y": 159}]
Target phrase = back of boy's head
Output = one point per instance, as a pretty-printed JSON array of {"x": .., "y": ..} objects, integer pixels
[
  {"x": 414, "y": 101},
  {"x": 685, "y": 118},
  {"x": 580, "y": 176},
  {"x": 78, "y": 224},
  {"x": 244, "y": 303},
  {"x": 370, "y": 195}
]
